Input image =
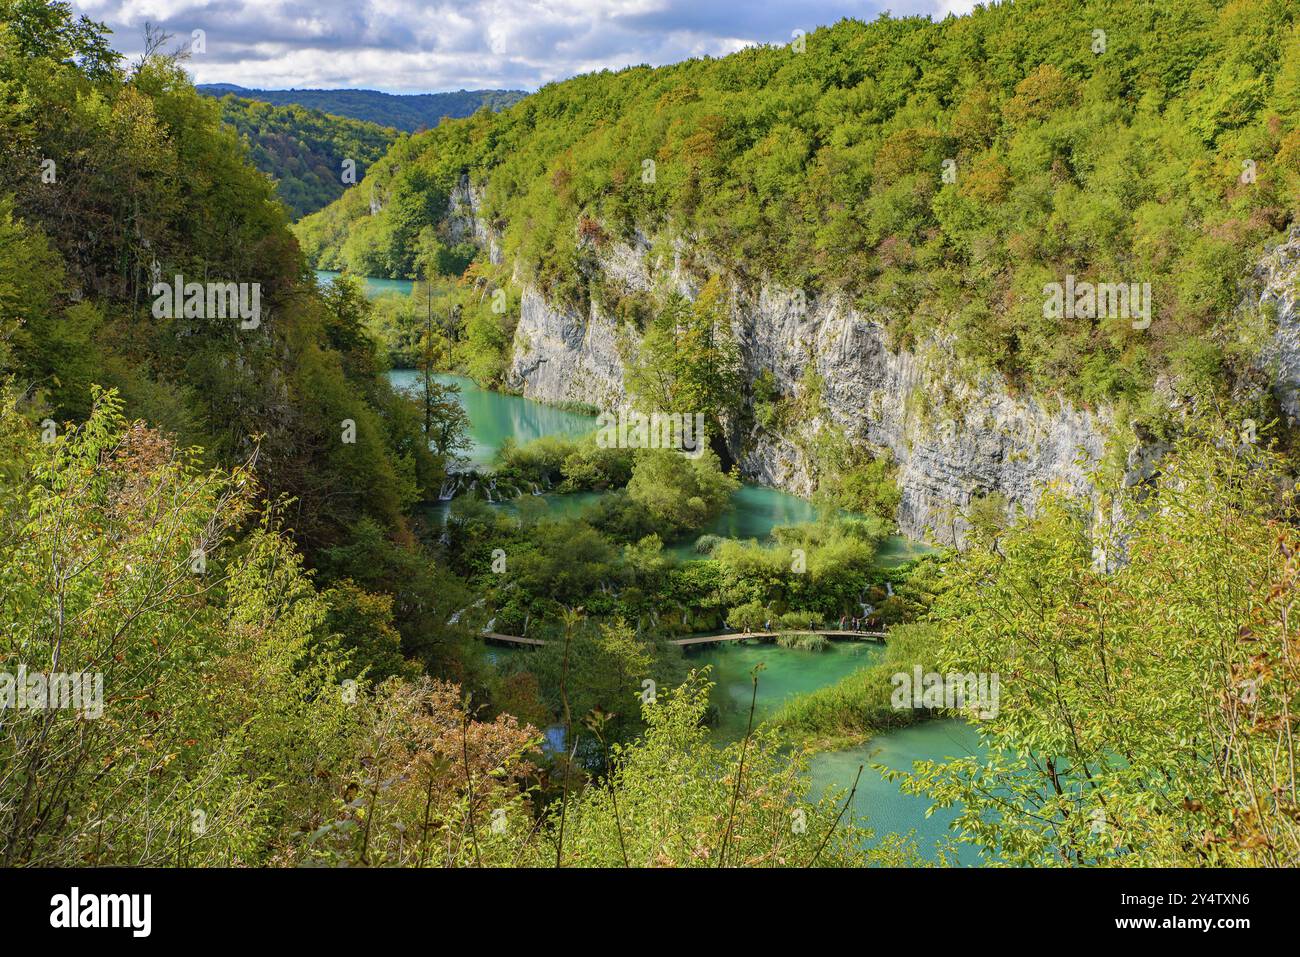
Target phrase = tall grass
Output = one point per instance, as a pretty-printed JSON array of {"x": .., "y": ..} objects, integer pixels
[
  {"x": 803, "y": 642},
  {"x": 858, "y": 705}
]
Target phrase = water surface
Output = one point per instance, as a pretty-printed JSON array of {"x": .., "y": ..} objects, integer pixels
[
  {"x": 495, "y": 416},
  {"x": 373, "y": 286},
  {"x": 882, "y": 805},
  {"x": 755, "y": 510},
  {"x": 877, "y": 803}
]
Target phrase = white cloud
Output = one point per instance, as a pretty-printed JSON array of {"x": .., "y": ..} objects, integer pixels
[{"x": 414, "y": 46}]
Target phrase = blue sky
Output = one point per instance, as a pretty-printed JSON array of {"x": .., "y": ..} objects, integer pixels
[{"x": 405, "y": 46}]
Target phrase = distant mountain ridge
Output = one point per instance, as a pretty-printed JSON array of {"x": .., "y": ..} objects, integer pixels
[{"x": 409, "y": 112}]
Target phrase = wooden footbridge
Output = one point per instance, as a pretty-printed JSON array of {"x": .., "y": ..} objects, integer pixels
[{"x": 711, "y": 639}]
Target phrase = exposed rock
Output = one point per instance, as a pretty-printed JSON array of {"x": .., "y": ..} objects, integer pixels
[
  {"x": 465, "y": 219},
  {"x": 560, "y": 355},
  {"x": 952, "y": 440},
  {"x": 954, "y": 435},
  {"x": 1279, "y": 278}
]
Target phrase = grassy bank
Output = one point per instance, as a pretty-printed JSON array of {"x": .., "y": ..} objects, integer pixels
[{"x": 858, "y": 705}]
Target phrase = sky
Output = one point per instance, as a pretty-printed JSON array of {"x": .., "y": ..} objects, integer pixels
[{"x": 409, "y": 46}]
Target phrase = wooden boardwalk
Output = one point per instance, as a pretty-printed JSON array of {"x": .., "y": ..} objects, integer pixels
[
  {"x": 512, "y": 639},
  {"x": 741, "y": 635},
  {"x": 709, "y": 639}
]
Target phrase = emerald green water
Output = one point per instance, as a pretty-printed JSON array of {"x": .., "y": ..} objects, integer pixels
[
  {"x": 495, "y": 416},
  {"x": 880, "y": 803},
  {"x": 374, "y": 287},
  {"x": 755, "y": 511},
  {"x": 877, "y": 803},
  {"x": 788, "y": 674}
]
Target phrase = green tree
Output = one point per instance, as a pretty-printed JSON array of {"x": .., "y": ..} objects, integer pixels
[
  {"x": 669, "y": 795},
  {"x": 688, "y": 361},
  {"x": 1146, "y": 694},
  {"x": 679, "y": 491}
]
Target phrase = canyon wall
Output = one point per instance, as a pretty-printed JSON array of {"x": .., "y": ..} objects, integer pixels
[
  {"x": 954, "y": 436},
  {"x": 953, "y": 439}
]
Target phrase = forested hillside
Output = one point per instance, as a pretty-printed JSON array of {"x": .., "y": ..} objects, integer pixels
[
  {"x": 938, "y": 174},
  {"x": 305, "y": 151},
  {"x": 218, "y": 516},
  {"x": 214, "y": 502},
  {"x": 403, "y": 111}
]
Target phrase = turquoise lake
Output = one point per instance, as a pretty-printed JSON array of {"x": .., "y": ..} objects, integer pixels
[{"x": 755, "y": 511}]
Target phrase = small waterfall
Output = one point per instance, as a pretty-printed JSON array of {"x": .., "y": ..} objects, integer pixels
[
  {"x": 889, "y": 589},
  {"x": 455, "y": 619},
  {"x": 553, "y": 740},
  {"x": 450, "y": 485},
  {"x": 536, "y": 490},
  {"x": 489, "y": 626}
]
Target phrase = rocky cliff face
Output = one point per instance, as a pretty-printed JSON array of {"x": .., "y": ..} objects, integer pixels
[
  {"x": 560, "y": 355},
  {"x": 954, "y": 437},
  {"x": 465, "y": 219},
  {"x": 1278, "y": 277},
  {"x": 952, "y": 440}
]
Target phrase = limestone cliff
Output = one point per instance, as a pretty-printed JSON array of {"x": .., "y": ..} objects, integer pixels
[
  {"x": 953, "y": 435},
  {"x": 951, "y": 439}
]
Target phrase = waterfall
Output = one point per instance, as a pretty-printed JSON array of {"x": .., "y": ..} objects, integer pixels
[{"x": 455, "y": 619}]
